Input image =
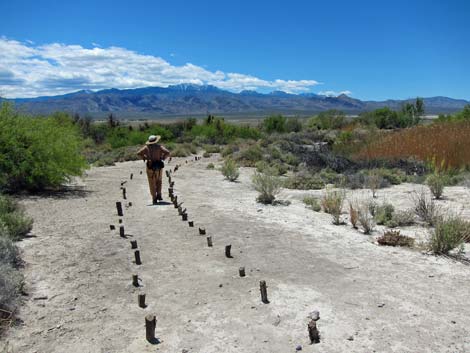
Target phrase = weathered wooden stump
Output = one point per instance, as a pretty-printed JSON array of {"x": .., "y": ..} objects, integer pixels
[
  {"x": 140, "y": 173},
  {"x": 228, "y": 249},
  {"x": 202, "y": 231},
  {"x": 121, "y": 232},
  {"x": 313, "y": 333},
  {"x": 209, "y": 242},
  {"x": 124, "y": 196},
  {"x": 241, "y": 271},
  {"x": 135, "y": 280},
  {"x": 191, "y": 223},
  {"x": 141, "y": 300},
  {"x": 132, "y": 176},
  {"x": 137, "y": 257},
  {"x": 167, "y": 173},
  {"x": 133, "y": 244},
  {"x": 264, "y": 292},
  {"x": 172, "y": 184},
  {"x": 184, "y": 217},
  {"x": 150, "y": 327},
  {"x": 120, "y": 220},
  {"x": 112, "y": 227},
  {"x": 129, "y": 204},
  {"x": 119, "y": 209}
]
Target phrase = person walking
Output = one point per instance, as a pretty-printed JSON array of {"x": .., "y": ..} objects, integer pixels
[{"x": 153, "y": 155}]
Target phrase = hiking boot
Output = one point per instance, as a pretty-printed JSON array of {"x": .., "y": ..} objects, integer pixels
[
  {"x": 155, "y": 201},
  {"x": 159, "y": 197}
]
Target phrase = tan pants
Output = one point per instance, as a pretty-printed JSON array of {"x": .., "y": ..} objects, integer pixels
[{"x": 155, "y": 182}]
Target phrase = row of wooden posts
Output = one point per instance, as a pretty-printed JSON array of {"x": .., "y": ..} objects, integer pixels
[{"x": 150, "y": 320}]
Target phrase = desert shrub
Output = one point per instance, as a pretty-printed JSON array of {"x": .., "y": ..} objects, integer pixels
[
  {"x": 384, "y": 214},
  {"x": 374, "y": 181},
  {"x": 425, "y": 207},
  {"x": 11, "y": 284},
  {"x": 274, "y": 168},
  {"x": 332, "y": 203},
  {"x": 353, "y": 214},
  {"x": 304, "y": 181},
  {"x": 230, "y": 170},
  {"x": 293, "y": 125},
  {"x": 207, "y": 154},
  {"x": 313, "y": 203},
  {"x": 330, "y": 119},
  {"x": 210, "y": 166},
  {"x": 212, "y": 148},
  {"x": 36, "y": 153},
  {"x": 394, "y": 238},
  {"x": 401, "y": 219},
  {"x": 365, "y": 218},
  {"x": 436, "y": 183},
  {"x": 329, "y": 176},
  {"x": 450, "y": 232},
  {"x": 105, "y": 155},
  {"x": 274, "y": 123},
  {"x": 18, "y": 225},
  {"x": 249, "y": 156},
  {"x": 229, "y": 150},
  {"x": 355, "y": 181},
  {"x": 180, "y": 151},
  {"x": 7, "y": 204},
  {"x": 9, "y": 253},
  {"x": 267, "y": 185}
]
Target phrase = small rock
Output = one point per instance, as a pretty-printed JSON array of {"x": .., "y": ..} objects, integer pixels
[
  {"x": 381, "y": 305},
  {"x": 298, "y": 348},
  {"x": 350, "y": 338},
  {"x": 314, "y": 315},
  {"x": 454, "y": 322},
  {"x": 221, "y": 285}
]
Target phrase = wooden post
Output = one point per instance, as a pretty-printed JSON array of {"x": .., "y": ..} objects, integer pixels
[
  {"x": 119, "y": 209},
  {"x": 135, "y": 280},
  {"x": 112, "y": 227},
  {"x": 169, "y": 180},
  {"x": 228, "y": 248},
  {"x": 241, "y": 271},
  {"x": 191, "y": 223},
  {"x": 264, "y": 292},
  {"x": 133, "y": 244},
  {"x": 313, "y": 333},
  {"x": 137, "y": 257},
  {"x": 209, "y": 242},
  {"x": 167, "y": 173},
  {"x": 202, "y": 231},
  {"x": 175, "y": 201},
  {"x": 120, "y": 220},
  {"x": 140, "y": 173},
  {"x": 129, "y": 204},
  {"x": 132, "y": 176},
  {"x": 121, "y": 231},
  {"x": 124, "y": 193},
  {"x": 141, "y": 300},
  {"x": 150, "y": 326},
  {"x": 184, "y": 216},
  {"x": 172, "y": 184}
]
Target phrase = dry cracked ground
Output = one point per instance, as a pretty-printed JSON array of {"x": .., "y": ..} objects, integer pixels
[{"x": 371, "y": 298}]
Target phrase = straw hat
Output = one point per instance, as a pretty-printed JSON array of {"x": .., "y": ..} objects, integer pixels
[{"x": 153, "y": 139}]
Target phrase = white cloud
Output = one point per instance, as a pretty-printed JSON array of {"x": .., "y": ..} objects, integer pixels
[
  {"x": 334, "y": 93},
  {"x": 30, "y": 70}
]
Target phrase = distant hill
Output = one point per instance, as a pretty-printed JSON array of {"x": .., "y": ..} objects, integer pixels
[{"x": 196, "y": 100}]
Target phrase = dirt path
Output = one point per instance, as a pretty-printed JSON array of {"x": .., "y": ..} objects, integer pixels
[{"x": 370, "y": 298}]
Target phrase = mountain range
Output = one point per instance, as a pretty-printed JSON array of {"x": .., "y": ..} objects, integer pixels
[{"x": 185, "y": 100}]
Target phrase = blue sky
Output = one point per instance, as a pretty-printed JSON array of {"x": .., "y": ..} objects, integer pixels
[{"x": 369, "y": 49}]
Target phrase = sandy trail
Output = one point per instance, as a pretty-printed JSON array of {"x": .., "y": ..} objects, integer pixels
[{"x": 371, "y": 298}]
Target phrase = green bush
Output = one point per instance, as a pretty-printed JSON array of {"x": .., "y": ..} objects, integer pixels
[
  {"x": 17, "y": 224},
  {"x": 313, "y": 203},
  {"x": 274, "y": 123},
  {"x": 267, "y": 185},
  {"x": 9, "y": 253},
  {"x": 11, "y": 285},
  {"x": 328, "y": 120},
  {"x": 436, "y": 183},
  {"x": 365, "y": 218},
  {"x": 36, "y": 153},
  {"x": 210, "y": 166},
  {"x": 180, "y": 151},
  {"x": 425, "y": 207},
  {"x": 212, "y": 148},
  {"x": 207, "y": 155},
  {"x": 450, "y": 232},
  {"x": 384, "y": 214},
  {"x": 304, "y": 181},
  {"x": 249, "y": 156},
  {"x": 401, "y": 219},
  {"x": 230, "y": 170}
]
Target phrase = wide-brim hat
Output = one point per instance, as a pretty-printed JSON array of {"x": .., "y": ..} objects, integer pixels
[{"x": 153, "y": 139}]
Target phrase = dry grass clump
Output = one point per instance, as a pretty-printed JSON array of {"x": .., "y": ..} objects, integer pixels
[
  {"x": 332, "y": 203},
  {"x": 445, "y": 143},
  {"x": 425, "y": 207},
  {"x": 401, "y": 219},
  {"x": 230, "y": 170},
  {"x": 366, "y": 218},
  {"x": 373, "y": 181},
  {"x": 394, "y": 238},
  {"x": 353, "y": 214},
  {"x": 267, "y": 185},
  {"x": 436, "y": 183},
  {"x": 450, "y": 232}
]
